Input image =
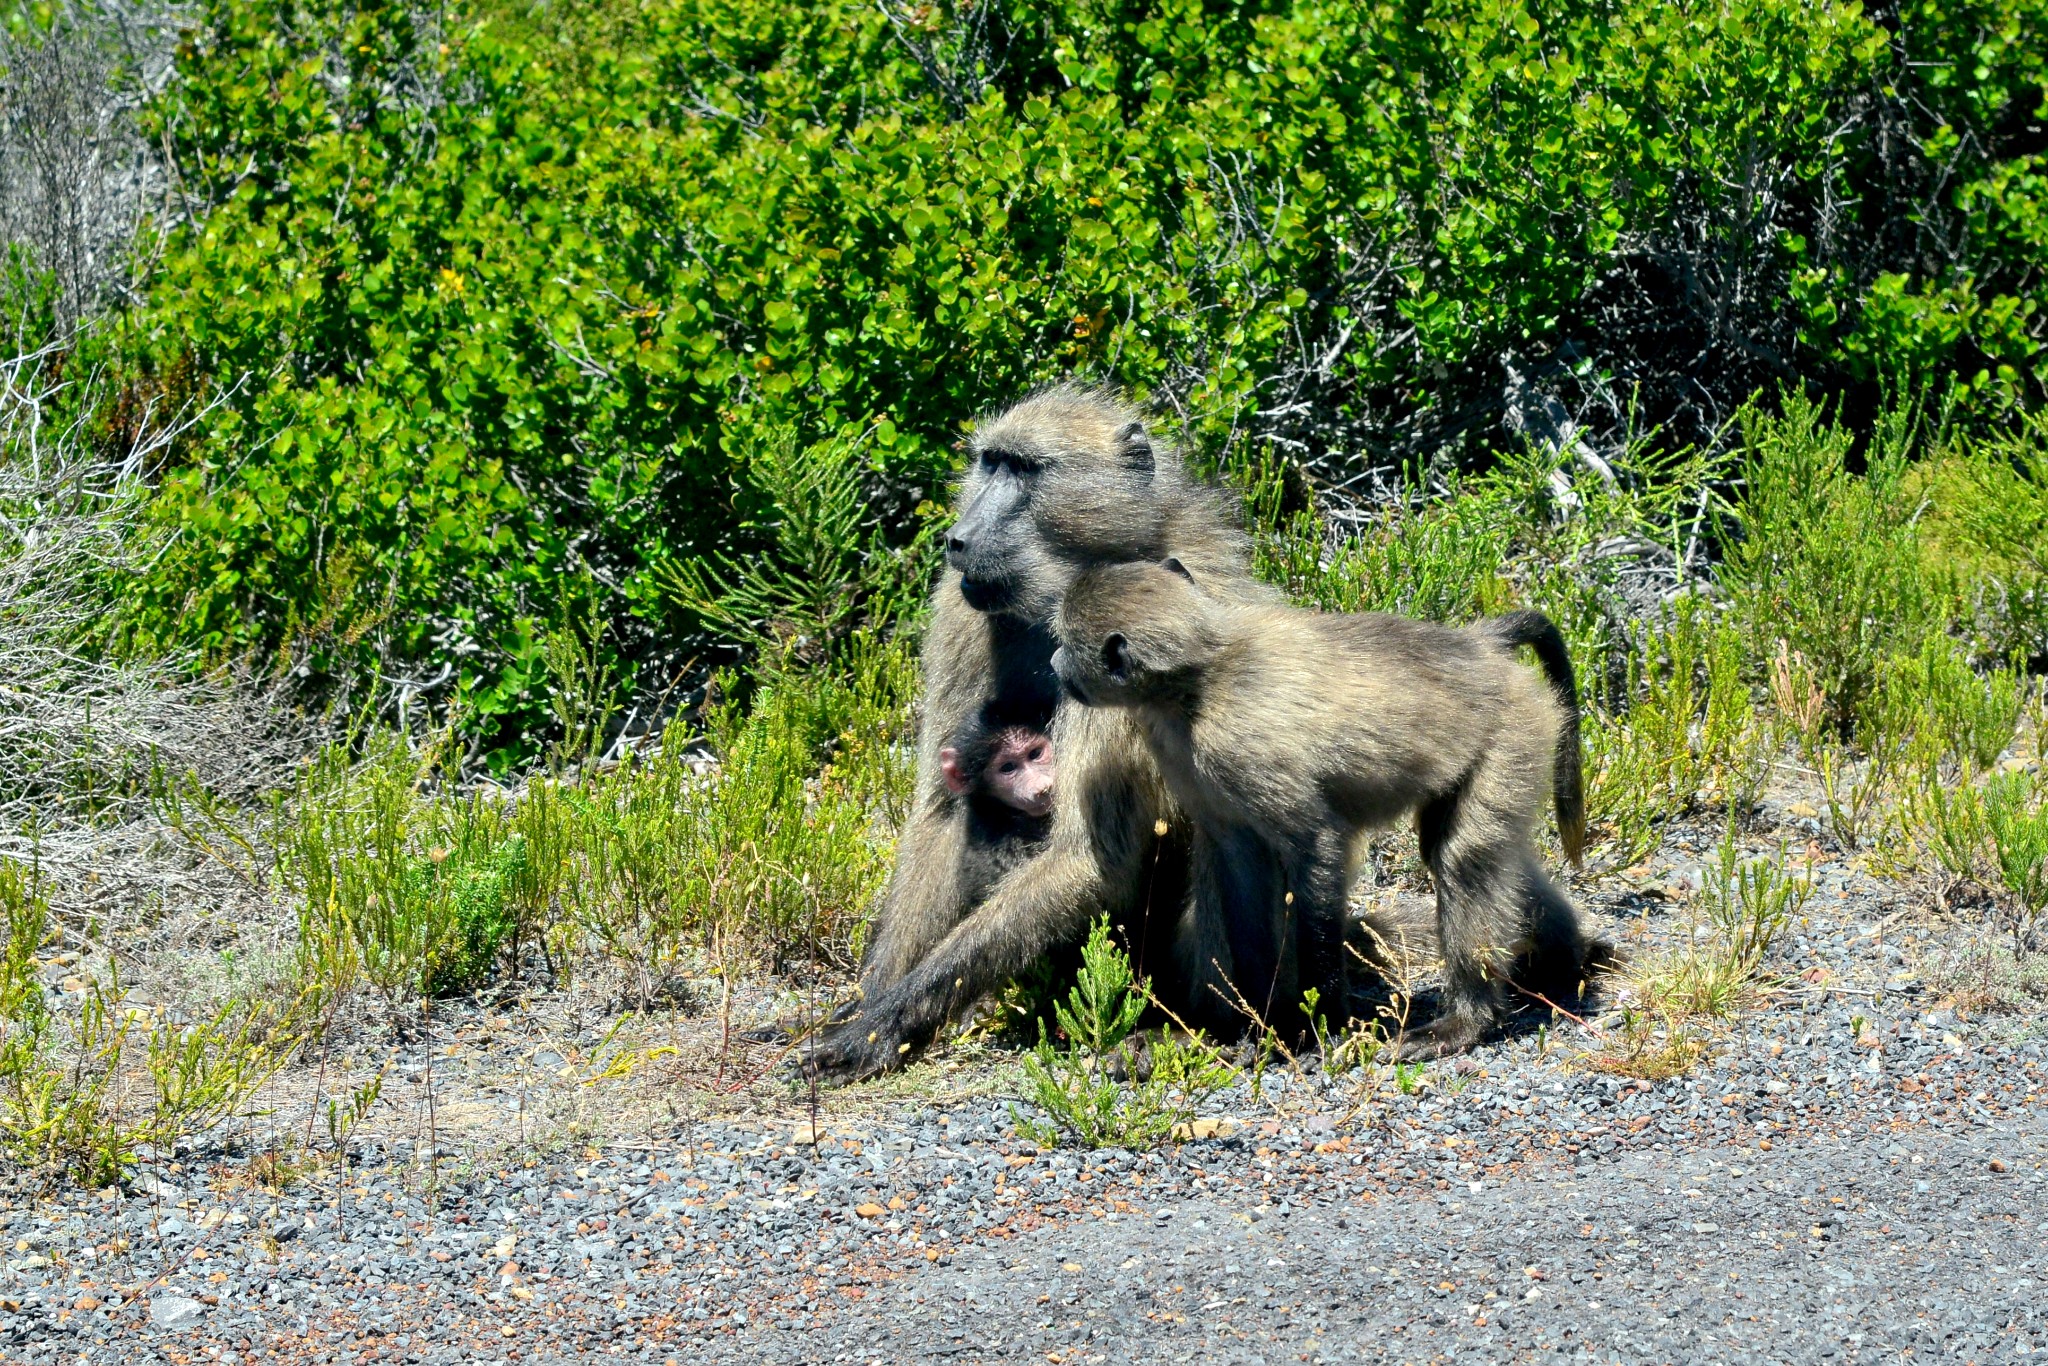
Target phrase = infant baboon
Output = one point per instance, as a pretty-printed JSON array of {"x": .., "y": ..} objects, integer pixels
[
  {"x": 1010, "y": 765},
  {"x": 1004, "y": 776},
  {"x": 1307, "y": 728}
]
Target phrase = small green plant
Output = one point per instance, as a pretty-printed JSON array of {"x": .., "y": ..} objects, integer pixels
[
  {"x": 1948, "y": 825},
  {"x": 1992, "y": 496},
  {"x": 204, "y": 1071},
  {"x": 1749, "y": 902},
  {"x": 343, "y": 1114},
  {"x": 2016, "y": 817},
  {"x": 1691, "y": 732},
  {"x": 1973, "y": 715},
  {"x": 1440, "y": 559},
  {"x": 414, "y": 894},
  {"x": 61, "y": 1101},
  {"x": 53, "y": 1107},
  {"x": 1072, "y": 1083}
]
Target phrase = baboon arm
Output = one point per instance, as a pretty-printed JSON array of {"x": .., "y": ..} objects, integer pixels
[
  {"x": 923, "y": 902},
  {"x": 1094, "y": 861}
]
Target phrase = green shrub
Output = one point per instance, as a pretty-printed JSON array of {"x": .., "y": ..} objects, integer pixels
[
  {"x": 414, "y": 894},
  {"x": 484, "y": 306},
  {"x": 1441, "y": 559},
  {"x": 1823, "y": 561},
  {"x": 1991, "y": 513},
  {"x": 2016, "y": 817}
]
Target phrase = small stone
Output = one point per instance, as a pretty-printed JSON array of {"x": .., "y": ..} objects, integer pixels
[
  {"x": 1997, "y": 1165},
  {"x": 870, "y": 1210},
  {"x": 175, "y": 1311}
]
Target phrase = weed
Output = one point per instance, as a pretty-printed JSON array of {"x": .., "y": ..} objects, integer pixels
[
  {"x": 1993, "y": 502},
  {"x": 202, "y": 1072},
  {"x": 1746, "y": 903},
  {"x": 1970, "y": 716},
  {"x": 1652, "y": 1045},
  {"x": 1072, "y": 1084},
  {"x": 1442, "y": 561}
]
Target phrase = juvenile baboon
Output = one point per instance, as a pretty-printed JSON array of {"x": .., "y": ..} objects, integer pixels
[
  {"x": 1065, "y": 479},
  {"x": 1003, "y": 774},
  {"x": 1305, "y": 729}
]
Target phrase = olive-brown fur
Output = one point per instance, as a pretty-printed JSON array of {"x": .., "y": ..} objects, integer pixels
[
  {"x": 1299, "y": 730},
  {"x": 1066, "y": 479}
]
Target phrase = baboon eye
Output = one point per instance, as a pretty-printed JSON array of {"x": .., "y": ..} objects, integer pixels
[
  {"x": 1008, "y": 766},
  {"x": 1116, "y": 655}
]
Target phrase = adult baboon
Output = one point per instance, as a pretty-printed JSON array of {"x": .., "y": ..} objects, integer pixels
[
  {"x": 1066, "y": 479},
  {"x": 1305, "y": 729}
]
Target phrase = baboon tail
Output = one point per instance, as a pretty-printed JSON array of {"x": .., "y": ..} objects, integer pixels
[{"x": 1568, "y": 789}]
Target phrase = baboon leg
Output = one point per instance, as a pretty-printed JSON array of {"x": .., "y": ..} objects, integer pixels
[
  {"x": 1553, "y": 958},
  {"x": 1477, "y": 843},
  {"x": 1321, "y": 884},
  {"x": 1237, "y": 949}
]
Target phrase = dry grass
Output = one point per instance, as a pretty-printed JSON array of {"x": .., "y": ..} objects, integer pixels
[{"x": 83, "y": 730}]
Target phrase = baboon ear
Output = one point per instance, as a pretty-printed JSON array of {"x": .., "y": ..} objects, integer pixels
[
  {"x": 1174, "y": 566},
  {"x": 949, "y": 769},
  {"x": 1134, "y": 447},
  {"x": 1116, "y": 656}
]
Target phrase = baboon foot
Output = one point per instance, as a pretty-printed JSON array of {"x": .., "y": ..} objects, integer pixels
[
  {"x": 861, "y": 1047},
  {"x": 1442, "y": 1037}
]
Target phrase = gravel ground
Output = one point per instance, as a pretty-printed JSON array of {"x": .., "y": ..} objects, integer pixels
[
  {"x": 1857, "y": 1169},
  {"x": 1803, "y": 1196}
]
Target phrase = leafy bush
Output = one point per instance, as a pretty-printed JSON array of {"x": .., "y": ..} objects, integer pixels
[{"x": 490, "y": 304}]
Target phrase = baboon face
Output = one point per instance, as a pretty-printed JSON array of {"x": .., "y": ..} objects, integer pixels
[
  {"x": 1058, "y": 482},
  {"x": 1131, "y": 633},
  {"x": 1013, "y": 765}
]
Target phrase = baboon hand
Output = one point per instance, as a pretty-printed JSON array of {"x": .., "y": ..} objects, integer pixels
[{"x": 858, "y": 1048}]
